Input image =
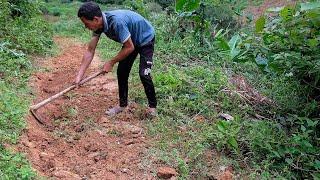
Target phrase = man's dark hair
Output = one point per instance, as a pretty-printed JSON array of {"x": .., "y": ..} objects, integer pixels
[{"x": 89, "y": 10}]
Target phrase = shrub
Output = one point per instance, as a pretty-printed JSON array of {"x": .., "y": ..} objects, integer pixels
[{"x": 287, "y": 44}]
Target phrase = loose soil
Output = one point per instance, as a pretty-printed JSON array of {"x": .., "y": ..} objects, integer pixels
[{"x": 82, "y": 142}]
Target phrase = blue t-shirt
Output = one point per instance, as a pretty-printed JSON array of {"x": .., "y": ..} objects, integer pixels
[{"x": 119, "y": 25}]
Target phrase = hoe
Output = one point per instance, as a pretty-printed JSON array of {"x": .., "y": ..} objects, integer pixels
[{"x": 34, "y": 108}]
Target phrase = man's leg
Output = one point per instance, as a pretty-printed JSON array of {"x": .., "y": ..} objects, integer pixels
[
  {"x": 123, "y": 72},
  {"x": 146, "y": 54}
]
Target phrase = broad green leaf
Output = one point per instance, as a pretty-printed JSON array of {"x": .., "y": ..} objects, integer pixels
[
  {"x": 233, "y": 41},
  {"x": 222, "y": 44},
  {"x": 287, "y": 13},
  {"x": 222, "y": 126},
  {"x": 309, "y": 6},
  {"x": 234, "y": 51},
  {"x": 233, "y": 143},
  {"x": 219, "y": 33},
  {"x": 260, "y": 24}
]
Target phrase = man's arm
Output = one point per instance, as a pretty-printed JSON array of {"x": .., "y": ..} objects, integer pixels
[
  {"x": 87, "y": 58},
  {"x": 127, "y": 49}
]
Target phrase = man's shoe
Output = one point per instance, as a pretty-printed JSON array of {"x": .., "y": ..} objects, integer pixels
[
  {"x": 115, "y": 110},
  {"x": 152, "y": 112}
]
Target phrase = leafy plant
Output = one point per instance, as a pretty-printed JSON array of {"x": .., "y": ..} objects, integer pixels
[{"x": 287, "y": 44}]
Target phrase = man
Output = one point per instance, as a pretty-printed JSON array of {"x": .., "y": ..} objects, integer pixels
[{"x": 136, "y": 36}]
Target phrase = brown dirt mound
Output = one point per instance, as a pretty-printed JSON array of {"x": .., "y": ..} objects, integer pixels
[{"x": 83, "y": 143}]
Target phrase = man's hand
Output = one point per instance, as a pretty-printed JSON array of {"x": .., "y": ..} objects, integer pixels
[
  {"x": 107, "y": 67},
  {"x": 126, "y": 49}
]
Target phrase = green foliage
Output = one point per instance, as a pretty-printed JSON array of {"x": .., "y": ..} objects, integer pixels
[
  {"x": 23, "y": 33},
  {"x": 138, "y": 6},
  {"x": 14, "y": 166},
  {"x": 13, "y": 108},
  {"x": 296, "y": 154},
  {"x": 207, "y": 15},
  {"x": 287, "y": 44},
  {"x": 25, "y": 15}
]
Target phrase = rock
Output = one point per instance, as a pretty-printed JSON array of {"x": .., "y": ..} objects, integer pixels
[
  {"x": 92, "y": 155},
  {"x": 133, "y": 129},
  {"x": 62, "y": 174},
  {"x": 97, "y": 156},
  {"x": 166, "y": 172},
  {"x": 125, "y": 170},
  {"x": 46, "y": 156},
  {"x": 226, "y": 174},
  {"x": 28, "y": 144},
  {"x": 129, "y": 142},
  {"x": 226, "y": 116}
]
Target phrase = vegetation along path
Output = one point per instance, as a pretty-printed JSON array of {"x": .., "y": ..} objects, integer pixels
[{"x": 83, "y": 142}]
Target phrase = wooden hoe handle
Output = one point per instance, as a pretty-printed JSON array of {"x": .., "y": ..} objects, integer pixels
[{"x": 46, "y": 101}]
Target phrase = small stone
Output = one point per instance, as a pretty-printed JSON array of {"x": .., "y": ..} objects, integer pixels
[
  {"x": 92, "y": 155},
  {"x": 166, "y": 172},
  {"x": 125, "y": 170},
  {"x": 226, "y": 174},
  {"x": 66, "y": 175},
  {"x": 28, "y": 144},
  {"x": 226, "y": 117},
  {"x": 129, "y": 142},
  {"x": 46, "y": 156}
]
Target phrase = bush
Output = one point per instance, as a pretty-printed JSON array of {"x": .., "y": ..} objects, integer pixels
[{"x": 287, "y": 44}]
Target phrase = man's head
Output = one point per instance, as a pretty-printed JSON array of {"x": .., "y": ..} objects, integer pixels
[{"x": 91, "y": 15}]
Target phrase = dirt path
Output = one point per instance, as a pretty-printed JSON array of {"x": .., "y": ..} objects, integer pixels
[
  {"x": 83, "y": 143},
  {"x": 259, "y": 10}
]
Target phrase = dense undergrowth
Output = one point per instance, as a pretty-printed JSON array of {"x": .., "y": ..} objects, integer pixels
[
  {"x": 23, "y": 33},
  {"x": 194, "y": 62}
]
